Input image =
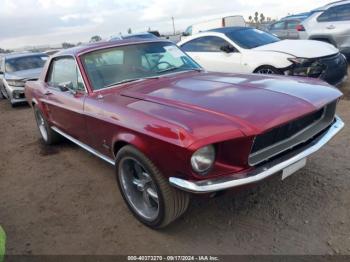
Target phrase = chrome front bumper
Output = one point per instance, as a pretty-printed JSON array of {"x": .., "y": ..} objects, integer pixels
[{"x": 260, "y": 173}]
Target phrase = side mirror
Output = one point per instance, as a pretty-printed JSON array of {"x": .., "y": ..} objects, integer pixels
[
  {"x": 185, "y": 34},
  {"x": 65, "y": 86},
  {"x": 227, "y": 49}
]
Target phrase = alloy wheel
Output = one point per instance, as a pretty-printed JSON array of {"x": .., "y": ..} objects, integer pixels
[
  {"x": 139, "y": 188},
  {"x": 41, "y": 124},
  {"x": 265, "y": 71}
]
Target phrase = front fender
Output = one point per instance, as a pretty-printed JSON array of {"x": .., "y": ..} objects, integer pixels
[{"x": 256, "y": 59}]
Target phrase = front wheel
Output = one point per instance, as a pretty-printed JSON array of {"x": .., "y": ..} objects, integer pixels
[
  {"x": 267, "y": 70},
  {"x": 146, "y": 191}
]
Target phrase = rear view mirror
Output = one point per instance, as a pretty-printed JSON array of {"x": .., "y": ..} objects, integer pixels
[{"x": 228, "y": 49}]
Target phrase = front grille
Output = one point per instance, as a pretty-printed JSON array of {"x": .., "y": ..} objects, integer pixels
[{"x": 287, "y": 136}]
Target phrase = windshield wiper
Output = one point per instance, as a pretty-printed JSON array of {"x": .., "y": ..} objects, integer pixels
[
  {"x": 193, "y": 69},
  {"x": 168, "y": 69},
  {"x": 180, "y": 69},
  {"x": 130, "y": 80}
]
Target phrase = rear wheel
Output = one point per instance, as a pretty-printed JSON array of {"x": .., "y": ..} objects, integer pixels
[
  {"x": 3, "y": 93},
  {"x": 146, "y": 191},
  {"x": 267, "y": 70},
  {"x": 47, "y": 134}
]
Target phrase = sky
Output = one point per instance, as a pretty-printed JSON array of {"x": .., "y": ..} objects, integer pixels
[{"x": 49, "y": 22}]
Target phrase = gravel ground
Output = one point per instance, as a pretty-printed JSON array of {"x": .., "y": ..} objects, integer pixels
[{"x": 62, "y": 200}]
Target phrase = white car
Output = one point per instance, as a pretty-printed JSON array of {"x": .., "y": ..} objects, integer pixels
[{"x": 248, "y": 50}]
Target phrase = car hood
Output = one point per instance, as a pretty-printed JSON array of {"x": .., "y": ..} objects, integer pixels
[
  {"x": 254, "y": 103},
  {"x": 300, "y": 48},
  {"x": 31, "y": 74}
]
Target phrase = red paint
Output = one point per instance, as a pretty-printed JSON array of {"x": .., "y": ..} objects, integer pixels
[{"x": 171, "y": 117}]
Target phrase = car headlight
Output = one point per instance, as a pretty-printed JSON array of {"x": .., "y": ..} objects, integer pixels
[
  {"x": 203, "y": 159},
  {"x": 15, "y": 83},
  {"x": 298, "y": 60}
]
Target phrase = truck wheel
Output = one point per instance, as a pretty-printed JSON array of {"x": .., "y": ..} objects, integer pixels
[
  {"x": 146, "y": 191},
  {"x": 49, "y": 136}
]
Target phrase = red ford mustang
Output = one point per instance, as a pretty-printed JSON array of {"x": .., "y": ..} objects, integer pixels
[{"x": 172, "y": 129}]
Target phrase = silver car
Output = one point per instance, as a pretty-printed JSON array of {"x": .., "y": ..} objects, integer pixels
[
  {"x": 15, "y": 70},
  {"x": 330, "y": 23},
  {"x": 285, "y": 29}
]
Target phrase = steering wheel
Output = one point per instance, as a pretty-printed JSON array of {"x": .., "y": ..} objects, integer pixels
[{"x": 162, "y": 62}]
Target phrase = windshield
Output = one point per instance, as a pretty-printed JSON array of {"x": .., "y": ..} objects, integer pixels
[
  {"x": 251, "y": 38},
  {"x": 25, "y": 63},
  {"x": 111, "y": 66}
]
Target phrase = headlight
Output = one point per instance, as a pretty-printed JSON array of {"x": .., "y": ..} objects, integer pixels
[
  {"x": 203, "y": 159},
  {"x": 298, "y": 60},
  {"x": 16, "y": 83},
  {"x": 17, "y": 94}
]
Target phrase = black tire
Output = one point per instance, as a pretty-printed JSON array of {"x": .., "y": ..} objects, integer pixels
[
  {"x": 2, "y": 96},
  {"x": 172, "y": 202},
  {"x": 52, "y": 137},
  {"x": 269, "y": 70}
]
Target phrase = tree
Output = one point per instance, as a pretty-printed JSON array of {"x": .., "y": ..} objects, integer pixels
[
  {"x": 95, "y": 38},
  {"x": 5, "y": 51},
  {"x": 262, "y": 18},
  {"x": 129, "y": 31},
  {"x": 256, "y": 17},
  {"x": 250, "y": 18},
  {"x": 67, "y": 45}
]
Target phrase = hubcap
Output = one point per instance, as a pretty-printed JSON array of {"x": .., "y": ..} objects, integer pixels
[
  {"x": 266, "y": 71},
  {"x": 139, "y": 188},
  {"x": 41, "y": 124}
]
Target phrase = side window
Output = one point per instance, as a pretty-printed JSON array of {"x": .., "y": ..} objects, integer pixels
[
  {"x": 336, "y": 13},
  {"x": 292, "y": 24},
  {"x": 278, "y": 26},
  {"x": 65, "y": 71},
  {"x": 205, "y": 44}
]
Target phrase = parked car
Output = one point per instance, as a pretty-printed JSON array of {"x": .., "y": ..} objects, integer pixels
[
  {"x": 15, "y": 70},
  {"x": 146, "y": 35},
  {"x": 300, "y": 16},
  {"x": 248, "y": 50},
  {"x": 228, "y": 21},
  {"x": 285, "y": 29},
  {"x": 331, "y": 24},
  {"x": 170, "y": 128}
]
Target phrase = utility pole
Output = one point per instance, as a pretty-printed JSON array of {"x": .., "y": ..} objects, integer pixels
[{"x": 172, "y": 18}]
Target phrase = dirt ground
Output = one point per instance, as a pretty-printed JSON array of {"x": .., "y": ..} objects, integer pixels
[{"x": 62, "y": 200}]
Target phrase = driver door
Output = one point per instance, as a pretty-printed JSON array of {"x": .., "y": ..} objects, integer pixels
[
  {"x": 65, "y": 96},
  {"x": 207, "y": 51}
]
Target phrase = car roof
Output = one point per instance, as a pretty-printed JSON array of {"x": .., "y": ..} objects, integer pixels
[
  {"x": 300, "y": 16},
  {"x": 325, "y": 7},
  {"x": 24, "y": 54},
  {"x": 82, "y": 49},
  {"x": 225, "y": 30}
]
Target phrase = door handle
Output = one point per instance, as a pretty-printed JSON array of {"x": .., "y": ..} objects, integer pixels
[{"x": 330, "y": 27}]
